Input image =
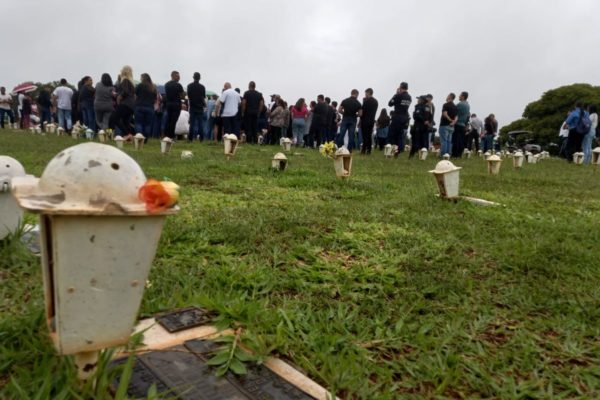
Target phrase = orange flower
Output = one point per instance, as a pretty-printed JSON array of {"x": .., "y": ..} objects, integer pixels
[{"x": 158, "y": 196}]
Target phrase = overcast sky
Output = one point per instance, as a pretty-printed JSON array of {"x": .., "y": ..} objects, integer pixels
[{"x": 505, "y": 53}]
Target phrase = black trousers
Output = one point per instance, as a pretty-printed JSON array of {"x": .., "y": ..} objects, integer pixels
[
  {"x": 173, "y": 111},
  {"x": 396, "y": 131},
  {"x": 458, "y": 141},
  {"x": 251, "y": 127},
  {"x": 121, "y": 118},
  {"x": 367, "y": 136},
  {"x": 574, "y": 142},
  {"x": 419, "y": 139},
  {"x": 473, "y": 137}
]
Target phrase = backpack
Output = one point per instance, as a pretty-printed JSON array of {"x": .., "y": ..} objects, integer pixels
[{"x": 584, "y": 124}]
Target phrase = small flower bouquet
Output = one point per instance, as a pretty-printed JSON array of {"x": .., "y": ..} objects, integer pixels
[{"x": 328, "y": 150}]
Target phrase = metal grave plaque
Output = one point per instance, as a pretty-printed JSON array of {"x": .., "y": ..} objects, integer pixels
[{"x": 185, "y": 318}]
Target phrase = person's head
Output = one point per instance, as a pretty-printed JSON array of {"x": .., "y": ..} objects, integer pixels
[
  {"x": 369, "y": 92},
  {"x": 450, "y": 97},
  {"x": 226, "y": 86},
  {"x": 145, "y": 79},
  {"x": 593, "y": 109},
  {"x": 429, "y": 98},
  {"x": 127, "y": 73},
  {"x": 196, "y": 77},
  {"x": 578, "y": 104},
  {"x": 463, "y": 96},
  {"x": 403, "y": 87},
  {"x": 299, "y": 104},
  {"x": 354, "y": 93},
  {"x": 334, "y": 104},
  {"x": 87, "y": 80},
  {"x": 63, "y": 82},
  {"x": 421, "y": 99},
  {"x": 312, "y": 104},
  {"x": 2, "y": 90},
  {"x": 320, "y": 98},
  {"x": 383, "y": 113},
  {"x": 183, "y": 106},
  {"x": 215, "y": 97},
  {"x": 492, "y": 117},
  {"x": 106, "y": 79},
  {"x": 252, "y": 85},
  {"x": 473, "y": 115},
  {"x": 280, "y": 102},
  {"x": 327, "y": 100},
  {"x": 175, "y": 76},
  {"x": 237, "y": 89}
]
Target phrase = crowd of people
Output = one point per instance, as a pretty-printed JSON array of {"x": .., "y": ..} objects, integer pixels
[{"x": 170, "y": 110}]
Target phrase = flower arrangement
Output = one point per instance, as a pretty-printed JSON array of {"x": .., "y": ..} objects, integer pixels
[
  {"x": 158, "y": 196},
  {"x": 328, "y": 150}
]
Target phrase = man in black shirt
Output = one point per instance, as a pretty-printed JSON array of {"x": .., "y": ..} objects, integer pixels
[
  {"x": 174, "y": 93},
  {"x": 447, "y": 122},
  {"x": 45, "y": 104},
  {"x": 401, "y": 102},
  {"x": 367, "y": 120},
  {"x": 420, "y": 133},
  {"x": 319, "y": 121},
  {"x": 197, "y": 98},
  {"x": 252, "y": 104},
  {"x": 351, "y": 109},
  {"x": 431, "y": 134}
]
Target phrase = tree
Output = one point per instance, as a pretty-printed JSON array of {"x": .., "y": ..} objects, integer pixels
[{"x": 545, "y": 116}]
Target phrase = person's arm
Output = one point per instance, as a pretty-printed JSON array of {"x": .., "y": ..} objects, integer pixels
[
  {"x": 244, "y": 101},
  {"x": 340, "y": 109},
  {"x": 360, "y": 112}
]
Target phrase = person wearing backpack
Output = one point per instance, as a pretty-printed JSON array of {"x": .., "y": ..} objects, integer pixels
[
  {"x": 576, "y": 122},
  {"x": 587, "y": 139}
]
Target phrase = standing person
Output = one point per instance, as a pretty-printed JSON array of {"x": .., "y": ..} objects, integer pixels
[
  {"x": 210, "y": 125},
  {"x": 252, "y": 105},
  {"x": 62, "y": 95},
  {"x": 563, "y": 134},
  {"x": 575, "y": 138},
  {"x": 431, "y": 134},
  {"x": 299, "y": 117},
  {"x": 86, "y": 103},
  {"x": 475, "y": 132},
  {"x": 229, "y": 103},
  {"x": 318, "y": 124},
  {"x": 6, "y": 107},
  {"x": 309, "y": 119},
  {"x": 26, "y": 111},
  {"x": 422, "y": 118},
  {"x": 104, "y": 101},
  {"x": 383, "y": 126},
  {"x": 44, "y": 102},
  {"x": 277, "y": 122},
  {"x": 121, "y": 117},
  {"x": 174, "y": 93},
  {"x": 20, "y": 98},
  {"x": 460, "y": 129},
  {"x": 447, "y": 122},
  {"x": 367, "y": 120},
  {"x": 400, "y": 119},
  {"x": 145, "y": 99},
  {"x": 587, "y": 139},
  {"x": 490, "y": 127},
  {"x": 197, "y": 98},
  {"x": 351, "y": 109}
]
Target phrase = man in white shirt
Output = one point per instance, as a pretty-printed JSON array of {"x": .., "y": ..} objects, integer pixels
[
  {"x": 475, "y": 132},
  {"x": 229, "y": 101},
  {"x": 62, "y": 96},
  {"x": 6, "y": 107}
]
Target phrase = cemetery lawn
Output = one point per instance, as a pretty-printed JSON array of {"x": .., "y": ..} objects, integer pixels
[{"x": 372, "y": 286}]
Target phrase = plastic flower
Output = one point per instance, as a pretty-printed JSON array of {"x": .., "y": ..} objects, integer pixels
[{"x": 159, "y": 196}]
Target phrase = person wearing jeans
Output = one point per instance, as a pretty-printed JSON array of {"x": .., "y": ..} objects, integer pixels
[
  {"x": 350, "y": 109},
  {"x": 587, "y": 139},
  {"x": 5, "y": 107},
  {"x": 447, "y": 122},
  {"x": 64, "y": 119},
  {"x": 63, "y": 95},
  {"x": 299, "y": 115}
]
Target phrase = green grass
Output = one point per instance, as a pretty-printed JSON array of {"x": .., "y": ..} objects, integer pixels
[{"x": 373, "y": 286}]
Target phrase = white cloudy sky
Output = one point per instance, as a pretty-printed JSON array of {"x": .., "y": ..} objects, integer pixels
[{"x": 506, "y": 53}]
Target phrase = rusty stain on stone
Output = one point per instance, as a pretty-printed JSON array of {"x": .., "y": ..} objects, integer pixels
[
  {"x": 93, "y": 282},
  {"x": 132, "y": 227},
  {"x": 134, "y": 283},
  {"x": 71, "y": 290},
  {"x": 92, "y": 238},
  {"x": 68, "y": 161},
  {"x": 93, "y": 163}
]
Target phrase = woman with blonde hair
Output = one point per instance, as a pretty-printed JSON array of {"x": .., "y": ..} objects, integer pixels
[{"x": 121, "y": 117}]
